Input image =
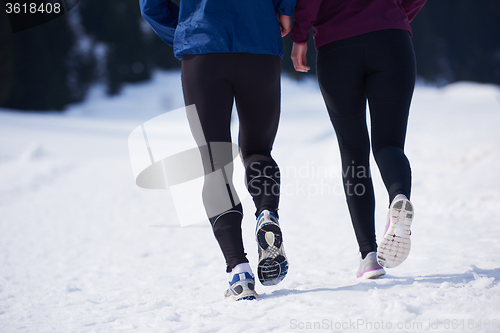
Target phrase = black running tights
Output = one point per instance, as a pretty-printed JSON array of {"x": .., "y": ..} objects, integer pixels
[
  {"x": 212, "y": 82},
  {"x": 378, "y": 66}
]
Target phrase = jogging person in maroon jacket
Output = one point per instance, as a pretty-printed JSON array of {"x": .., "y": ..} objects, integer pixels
[{"x": 364, "y": 52}]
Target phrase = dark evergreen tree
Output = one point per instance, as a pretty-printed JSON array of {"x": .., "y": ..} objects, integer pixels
[
  {"x": 117, "y": 24},
  {"x": 46, "y": 67},
  {"x": 159, "y": 54},
  {"x": 7, "y": 61},
  {"x": 37, "y": 70},
  {"x": 457, "y": 40}
]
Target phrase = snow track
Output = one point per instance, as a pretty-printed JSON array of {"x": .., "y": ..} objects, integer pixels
[{"x": 82, "y": 249}]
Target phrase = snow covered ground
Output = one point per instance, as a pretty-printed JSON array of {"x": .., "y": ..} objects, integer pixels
[{"x": 83, "y": 249}]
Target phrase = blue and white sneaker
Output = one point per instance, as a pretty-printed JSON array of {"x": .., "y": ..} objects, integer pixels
[
  {"x": 395, "y": 245},
  {"x": 273, "y": 264},
  {"x": 242, "y": 287}
]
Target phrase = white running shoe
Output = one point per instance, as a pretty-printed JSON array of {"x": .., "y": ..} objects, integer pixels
[
  {"x": 241, "y": 287},
  {"x": 273, "y": 264},
  {"x": 395, "y": 245},
  {"x": 369, "y": 267}
]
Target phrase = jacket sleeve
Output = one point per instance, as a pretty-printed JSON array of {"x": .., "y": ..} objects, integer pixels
[
  {"x": 285, "y": 7},
  {"x": 412, "y": 7},
  {"x": 162, "y": 16},
  {"x": 306, "y": 12}
]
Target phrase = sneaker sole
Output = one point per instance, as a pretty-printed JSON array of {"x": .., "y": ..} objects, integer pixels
[
  {"x": 395, "y": 245},
  {"x": 273, "y": 264},
  {"x": 245, "y": 296}
]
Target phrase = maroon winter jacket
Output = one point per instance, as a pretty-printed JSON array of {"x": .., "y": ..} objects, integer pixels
[{"x": 333, "y": 20}]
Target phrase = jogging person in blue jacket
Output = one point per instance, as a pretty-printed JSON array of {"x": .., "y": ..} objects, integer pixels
[{"x": 231, "y": 52}]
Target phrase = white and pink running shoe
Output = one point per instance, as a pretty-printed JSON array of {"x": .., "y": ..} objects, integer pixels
[
  {"x": 369, "y": 267},
  {"x": 395, "y": 245}
]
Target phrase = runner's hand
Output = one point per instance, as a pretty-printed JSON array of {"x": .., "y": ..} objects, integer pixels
[
  {"x": 285, "y": 24},
  {"x": 299, "y": 58}
]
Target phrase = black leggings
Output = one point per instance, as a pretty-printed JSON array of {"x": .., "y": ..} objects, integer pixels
[
  {"x": 212, "y": 82},
  {"x": 378, "y": 66}
]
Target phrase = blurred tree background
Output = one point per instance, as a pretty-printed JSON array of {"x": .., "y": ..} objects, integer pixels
[{"x": 53, "y": 65}]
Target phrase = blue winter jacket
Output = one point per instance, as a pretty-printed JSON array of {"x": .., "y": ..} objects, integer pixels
[{"x": 218, "y": 26}]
